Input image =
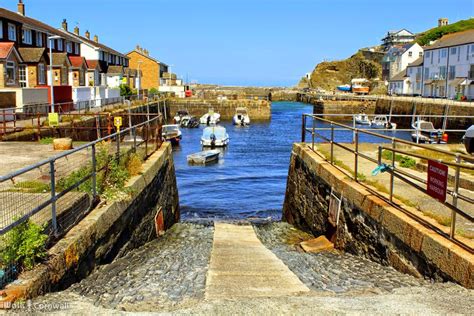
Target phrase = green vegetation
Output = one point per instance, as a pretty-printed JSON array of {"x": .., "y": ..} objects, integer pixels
[
  {"x": 125, "y": 90},
  {"x": 404, "y": 161},
  {"x": 153, "y": 91},
  {"x": 32, "y": 186},
  {"x": 431, "y": 35},
  {"x": 46, "y": 140},
  {"x": 25, "y": 245}
]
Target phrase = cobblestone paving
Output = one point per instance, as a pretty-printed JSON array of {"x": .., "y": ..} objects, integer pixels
[{"x": 330, "y": 271}]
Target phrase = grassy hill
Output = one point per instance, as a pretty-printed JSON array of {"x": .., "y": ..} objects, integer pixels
[{"x": 426, "y": 37}]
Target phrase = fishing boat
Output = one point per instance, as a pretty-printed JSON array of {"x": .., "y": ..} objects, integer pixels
[
  {"x": 360, "y": 86},
  {"x": 179, "y": 116},
  {"x": 189, "y": 122},
  {"x": 215, "y": 136},
  {"x": 204, "y": 157},
  {"x": 382, "y": 122},
  {"x": 210, "y": 118},
  {"x": 171, "y": 133},
  {"x": 362, "y": 119},
  {"x": 425, "y": 132},
  {"x": 241, "y": 117}
]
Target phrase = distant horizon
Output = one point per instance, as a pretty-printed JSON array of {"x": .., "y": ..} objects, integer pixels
[{"x": 244, "y": 43}]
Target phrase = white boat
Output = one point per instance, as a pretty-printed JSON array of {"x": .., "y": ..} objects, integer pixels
[
  {"x": 362, "y": 119},
  {"x": 215, "y": 136},
  {"x": 241, "y": 117},
  {"x": 381, "y": 121},
  {"x": 189, "y": 121},
  {"x": 204, "y": 157},
  {"x": 210, "y": 118},
  {"x": 179, "y": 116},
  {"x": 171, "y": 133},
  {"x": 425, "y": 132}
]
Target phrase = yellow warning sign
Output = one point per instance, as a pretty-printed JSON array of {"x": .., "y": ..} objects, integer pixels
[
  {"x": 53, "y": 119},
  {"x": 118, "y": 122}
]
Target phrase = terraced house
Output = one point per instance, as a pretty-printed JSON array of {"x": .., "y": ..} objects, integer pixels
[{"x": 448, "y": 67}]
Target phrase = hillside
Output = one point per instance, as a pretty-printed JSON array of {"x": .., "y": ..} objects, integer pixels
[
  {"x": 328, "y": 75},
  {"x": 426, "y": 37}
]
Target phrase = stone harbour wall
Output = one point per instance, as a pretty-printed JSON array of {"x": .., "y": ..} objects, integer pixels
[
  {"x": 107, "y": 232},
  {"x": 368, "y": 226},
  {"x": 258, "y": 110}
]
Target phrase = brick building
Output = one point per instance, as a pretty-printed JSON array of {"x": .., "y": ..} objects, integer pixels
[{"x": 151, "y": 70}]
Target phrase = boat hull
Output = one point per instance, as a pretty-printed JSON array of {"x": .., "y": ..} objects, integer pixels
[{"x": 204, "y": 157}]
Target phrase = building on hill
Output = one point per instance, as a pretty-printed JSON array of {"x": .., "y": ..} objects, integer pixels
[
  {"x": 151, "y": 69},
  {"x": 414, "y": 73},
  {"x": 448, "y": 67},
  {"x": 400, "y": 37},
  {"x": 398, "y": 58},
  {"x": 443, "y": 22}
]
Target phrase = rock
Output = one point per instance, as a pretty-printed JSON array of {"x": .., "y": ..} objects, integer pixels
[
  {"x": 317, "y": 245},
  {"x": 62, "y": 143}
]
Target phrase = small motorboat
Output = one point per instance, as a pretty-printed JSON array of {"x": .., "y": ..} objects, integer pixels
[
  {"x": 204, "y": 157},
  {"x": 215, "y": 136},
  {"x": 425, "y": 132},
  {"x": 344, "y": 88},
  {"x": 382, "y": 122},
  {"x": 241, "y": 117},
  {"x": 189, "y": 122},
  {"x": 362, "y": 119},
  {"x": 210, "y": 118},
  {"x": 171, "y": 133},
  {"x": 180, "y": 115},
  {"x": 469, "y": 140}
]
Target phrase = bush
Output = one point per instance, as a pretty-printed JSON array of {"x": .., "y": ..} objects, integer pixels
[
  {"x": 134, "y": 164},
  {"x": 125, "y": 90},
  {"x": 153, "y": 91},
  {"x": 32, "y": 186},
  {"x": 407, "y": 162},
  {"x": 25, "y": 245}
]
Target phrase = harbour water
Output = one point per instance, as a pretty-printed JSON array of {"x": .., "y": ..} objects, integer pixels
[{"x": 250, "y": 178}]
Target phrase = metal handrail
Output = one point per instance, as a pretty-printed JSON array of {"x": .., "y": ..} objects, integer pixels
[{"x": 395, "y": 172}]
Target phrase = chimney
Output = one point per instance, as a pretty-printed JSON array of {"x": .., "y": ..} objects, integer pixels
[
  {"x": 88, "y": 35},
  {"x": 64, "y": 24},
  {"x": 96, "y": 38},
  {"x": 76, "y": 30},
  {"x": 21, "y": 8}
]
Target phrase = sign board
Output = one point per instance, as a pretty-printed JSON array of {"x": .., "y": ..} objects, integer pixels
[
  {"x": 437, "y": 180},
  {"x": 334, "y": 209},
  {"x": 117, "y": 122},
  {"x": 53, "y": 119}
]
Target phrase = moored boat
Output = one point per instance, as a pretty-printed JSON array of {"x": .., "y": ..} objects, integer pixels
[
  {"x": 204, "y": 157},
  {"x": 189, "y": 122},
  {"x": 180, "y": 115},
  {"x": 215, "y": 136},
  {"x": 171, "y": 133},
  {"x": 362, "y": 119},
  {"x": 382, "y": 122},
  {"x": 210, "y": 118},
  {"x": 241, "y": 117},
  {"x": 425, "y": 132}
]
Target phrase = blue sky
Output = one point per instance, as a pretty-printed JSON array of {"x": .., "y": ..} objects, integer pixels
[{"x": 245, "y": 42}]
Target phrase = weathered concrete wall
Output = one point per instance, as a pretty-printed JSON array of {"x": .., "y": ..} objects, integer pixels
[
  {"x": 284, "y": 95},
  {"x": 344, "y": 107},
  {"x": 108, "y": 231},
  {"x": 368, "y": 225},
  {"x": 259, "y": 110}
]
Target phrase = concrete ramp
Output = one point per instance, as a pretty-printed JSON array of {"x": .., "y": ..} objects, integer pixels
[{"x": 241, "y": 266}]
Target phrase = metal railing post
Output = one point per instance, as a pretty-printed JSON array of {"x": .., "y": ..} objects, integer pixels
[
  {"x": 379, "y": 159},
  {"x": 356, "y": 155},
  {"x": 54, "y": 223},
  {"x": 4, "y": 122},
  {"x": 332, "y": 144},
  {"x": 117, "y": 140},
  {"x": 452, "y": 231},
  {"x": 134, "y": 131},
  {"x": 303, "y": 128},
  {"x": 94, "y": 172},
  {"x": 312, "y": 135},
  {"x": 393, "y": 170},
  {"x": 146, "y": 142}
]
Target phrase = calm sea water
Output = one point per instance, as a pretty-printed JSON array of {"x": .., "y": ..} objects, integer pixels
[{"x": 250, "y": 178}]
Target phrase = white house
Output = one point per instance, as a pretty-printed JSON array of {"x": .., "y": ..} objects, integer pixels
[
  {"x": 400, "y": 37},
  {"x": 414, "y": 73},
  {"x": 398, "y": 58},
  {"x": 448, "y": 67},
  {"x": 398, "y": 85}
]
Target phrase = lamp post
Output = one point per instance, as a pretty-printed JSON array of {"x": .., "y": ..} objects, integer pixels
[
  {"x": 139, "y": 79},
  {"x": 50, "y": 40}
]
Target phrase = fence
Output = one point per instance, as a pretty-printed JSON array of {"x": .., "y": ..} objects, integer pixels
[
  {"x": 57, "y": 192},
  {"x": 419, "y": 100},
  {"x": 457, "y": 163}
]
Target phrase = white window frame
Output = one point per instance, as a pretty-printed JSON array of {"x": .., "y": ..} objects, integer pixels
[
  {"x": 39, "y": 39},
  {"x": 23, "y": 71},
  {"x": 69, "y": 47},
  {"x": 11, "y": 65},
  {"x": 60, "y": 45},
  {"x": 11, "y": 32},
  {"x": 41, "y": 74},
  {"x": 27, "y": 36}
]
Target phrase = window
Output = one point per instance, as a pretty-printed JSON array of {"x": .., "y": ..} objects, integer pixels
[
  {"x": 459, "y": 53},
  {"x": 69, "y": 47},
  {"x": 11, "y": 32},
  {"x": 467, "y": 52},
  {"x": 420, "y": 54},
  {"x": 11, "y": 72},
  {"x": 442, "y": 72},
  {"x": 453, "y": 50},
  {"x": 76, "y": 48},
  {"x": 41, "y": 74},
  {"x": 410, "y": 54},
  {"x": 444, "y": 53},
  {"x": 452, "y": 72},
  {"x": 427, "y": 73},
  {"x": 51, "y": 43},
  {"x": 22, "y": 76},
  {"x": 27, "y": 37},
  {"x": 39, "y": 39},
  {"x": 432, "y": 54},
  {"x": 427, "y": 55},
  {"x": 60, "y": 45},
  {"x": 1, "y": 29}
]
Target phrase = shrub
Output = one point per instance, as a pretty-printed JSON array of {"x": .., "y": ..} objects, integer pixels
[
  {"x": 25, "y": 245},
  {"x": 46, "y": 140},
  {"x": 32, "y": 186},
  {"x": 407, "y": 162},
  {"x": 134, "y": 164},
  {"x": 125, "y": 90},
  {"x": 153, "y": 91}
]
